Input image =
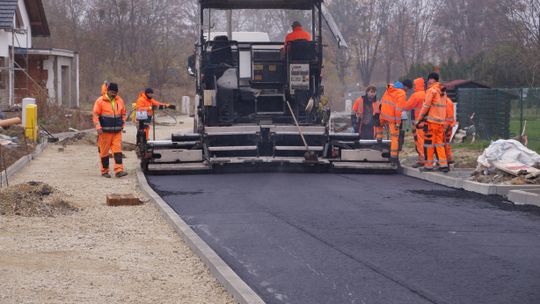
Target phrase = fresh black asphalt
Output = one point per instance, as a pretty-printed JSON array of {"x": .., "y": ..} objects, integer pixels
[{"x": 326, "y": 238}]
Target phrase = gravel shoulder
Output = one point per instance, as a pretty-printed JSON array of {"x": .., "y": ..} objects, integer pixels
[{"x": 100, "y": 254}]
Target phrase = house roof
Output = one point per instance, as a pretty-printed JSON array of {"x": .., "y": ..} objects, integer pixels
[
  {"x": 455, "y": 84},
  {"x": 36, "y": 14},
  {"x": 260, "y": 4},
  {"x": 38, "y": 19},
  {"x": 7, "y": 13}
]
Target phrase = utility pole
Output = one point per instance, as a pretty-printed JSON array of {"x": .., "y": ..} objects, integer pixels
[{"x": 229, "y": 24}]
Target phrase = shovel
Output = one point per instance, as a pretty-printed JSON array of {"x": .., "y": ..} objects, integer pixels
[{"x": 309, "y": 156}]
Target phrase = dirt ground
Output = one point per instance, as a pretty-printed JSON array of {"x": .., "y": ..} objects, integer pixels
[{"x": 99, "y": 254}]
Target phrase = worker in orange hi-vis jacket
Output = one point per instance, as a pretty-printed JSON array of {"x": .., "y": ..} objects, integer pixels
[
  {"x": 109, "y": 116},
  {"x": 450, "y": 124},
  {"x": 392, "y": 104},
  {"x": 146, "y": 104},
  {"x": 414, "y": 104},
  {"x": 434, "y": 114},
  {"x": 104, "y": 87},
  {"x": 367, "y": 111}
]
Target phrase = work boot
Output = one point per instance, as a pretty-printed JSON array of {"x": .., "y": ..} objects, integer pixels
[
  {"x": 451, "y": 162},
  {"x": 418, "y": 165},
  {"x": 444, "y": 169},
  {"x": 426, "y": 169},
  {"x": 106, "y": 175},
  {"x": 121, "y": 174}
]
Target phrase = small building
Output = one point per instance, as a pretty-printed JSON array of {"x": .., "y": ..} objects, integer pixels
[
  {"x": 29, "y": 72},
  {"x": 454, "y": 85}
]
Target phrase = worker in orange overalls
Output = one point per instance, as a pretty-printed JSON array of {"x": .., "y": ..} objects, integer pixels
[
  {"x": 145, "y": 106},
  {"x": 367, "y": 108},
  {"x": 414, "y": 104},
  {"x": 392, "y": 104},
  {"x": 450, "y": 124},
  {"x": 104, "y": 87},
  {"x": 109, "y": 118},
  {"x": 297, "y": 33},
  {"x": 434, "y": 113}
]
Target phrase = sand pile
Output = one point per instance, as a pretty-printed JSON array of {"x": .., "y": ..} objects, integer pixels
[{"x": 34, "y": 199}]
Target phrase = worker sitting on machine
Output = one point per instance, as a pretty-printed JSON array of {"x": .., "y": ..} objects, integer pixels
[{"x": 145, "y": 110}]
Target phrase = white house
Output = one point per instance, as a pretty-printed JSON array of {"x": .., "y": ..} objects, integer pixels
[{"x": 26, "y": 71}]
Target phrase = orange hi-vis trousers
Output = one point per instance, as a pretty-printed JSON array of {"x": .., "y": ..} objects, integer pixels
[
  {"x": 447, "y": 145},
  {"x": 393, "y": 130},
  {"x": 110, "y": 142},
  {"x": 434, "y": 145},
  {"x": 419, "y": 137}
]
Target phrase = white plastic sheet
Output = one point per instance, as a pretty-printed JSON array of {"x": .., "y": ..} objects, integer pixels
[{"x": 508, "y": 150}]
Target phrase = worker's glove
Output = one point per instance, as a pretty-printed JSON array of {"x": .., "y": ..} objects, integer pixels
[
  {"x": 161, "y": 107},
  {"x": 172, "y": 107},
  {"x": 99, "y": 131},
  {"x": 377, "y": 117}
]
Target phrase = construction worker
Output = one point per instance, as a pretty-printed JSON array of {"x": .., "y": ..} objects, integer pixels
[
  {"x": 450, "y": 124},
  {"x": 104, "y": 87},
  {"x": 297, "y": 33},
  {"x": 392, "y": 103},
  {"x": 434, "y": 114},
  {"x": 109, "y": 118},
  {"x": 365, "y": 109},
  {"x": 414, "y": 104},
  {"x": 145, "y": 106}
]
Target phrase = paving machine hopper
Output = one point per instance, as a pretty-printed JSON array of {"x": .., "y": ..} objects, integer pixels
[{"x": 260, "y": 104}]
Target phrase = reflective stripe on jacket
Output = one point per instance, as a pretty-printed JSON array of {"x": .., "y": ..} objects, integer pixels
[
  {"x": 109, "y": 116},
  {"x": 392, "y": 104},
  {"x": 434, "y": 108}
]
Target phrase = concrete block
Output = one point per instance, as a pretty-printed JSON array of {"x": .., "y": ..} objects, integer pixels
[
  {"x": 123, "y": 200},
  {"x": 452, "y": 179},
  {"x": 524, "y": 197}
]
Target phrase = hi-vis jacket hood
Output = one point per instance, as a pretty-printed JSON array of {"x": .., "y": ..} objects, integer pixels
[{"x": 419, "y": 85}]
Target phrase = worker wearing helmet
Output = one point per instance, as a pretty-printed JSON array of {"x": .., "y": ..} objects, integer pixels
[
  {"x": 109, "y": 116},
  {"x": 414, "y": 104},
  {"x": 392, "y": 104},
  {"x": 434, "y": 113},
  {"x": 145, "y": 106}
]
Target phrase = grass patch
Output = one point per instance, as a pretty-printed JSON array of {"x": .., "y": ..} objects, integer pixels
[{"x": 532, "y": 131}]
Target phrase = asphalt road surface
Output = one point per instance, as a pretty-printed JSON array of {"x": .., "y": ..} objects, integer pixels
[{"x": 321, "y": 238}]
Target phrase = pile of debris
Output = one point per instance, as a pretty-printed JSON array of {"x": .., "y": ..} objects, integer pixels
[
  {"x": 508, "y": 162},
  {"x": 34, "y": 199}
]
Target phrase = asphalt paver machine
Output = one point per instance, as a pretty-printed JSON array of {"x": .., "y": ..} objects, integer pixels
[{"x": 259, "y": 104}]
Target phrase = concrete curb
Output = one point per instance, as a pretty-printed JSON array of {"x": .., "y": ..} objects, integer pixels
[
  {"x": 522, "y": 197},
  {"x": 225, "y": 275},
  {"x": 523, "y": 193}
]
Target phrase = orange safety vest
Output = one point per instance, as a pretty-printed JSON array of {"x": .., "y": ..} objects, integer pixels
[
  {"x": 145, "y": 104},
  {"x": 392, "y": 104},
  {"x": 358, "y": 106},
  {"x": 434, "y": 108},
  {"x": 416, "y": 100},
  {"x": 109, "y": 116}
]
